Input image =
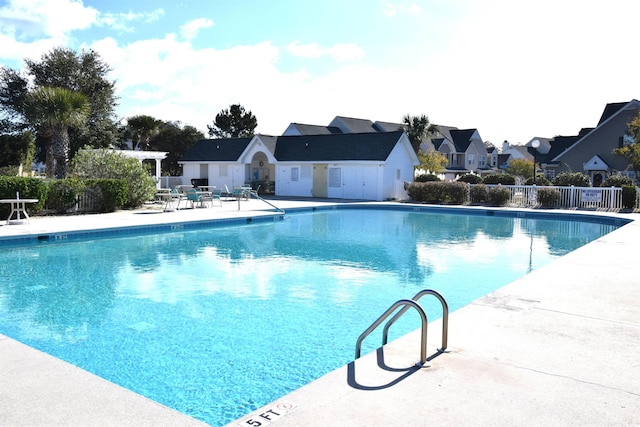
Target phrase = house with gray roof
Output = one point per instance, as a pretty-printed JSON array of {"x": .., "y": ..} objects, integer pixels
[
  {"x": 463, "y": 148},
  {"x": 368, "y": 166},
  {"x": 591, "y": 151}
]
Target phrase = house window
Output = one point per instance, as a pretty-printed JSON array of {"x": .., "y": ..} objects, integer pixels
[
  {"x": 471, "y": 159},
  {"x": 626, "y": 140},
  {"x": 224, "y": 170},
  {"x": 295, "y": 173},
  {"x": 306, "y": 172},
  {"x": 550, "y": 174},
  {"x": 335, "y": 177},
  {"x": 481, "y": 160}
]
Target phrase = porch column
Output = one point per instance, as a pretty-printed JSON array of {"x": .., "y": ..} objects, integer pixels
[{"x": 158, "y": 172}]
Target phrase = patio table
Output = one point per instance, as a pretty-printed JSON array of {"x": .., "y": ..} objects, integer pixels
[{"x": 18, "y": 206}]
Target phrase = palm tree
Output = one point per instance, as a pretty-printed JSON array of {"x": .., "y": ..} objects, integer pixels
[
  {"x": 418, "y": 128},
  {"x": 53, "y": 110},
  {"x": 142, "y": 128}
]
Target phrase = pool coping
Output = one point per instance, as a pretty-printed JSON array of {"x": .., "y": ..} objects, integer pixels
[{"x": 40, "y": 387}]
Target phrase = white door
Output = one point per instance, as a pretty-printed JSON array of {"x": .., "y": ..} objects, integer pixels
[
  {"x": 370, "y": 183},
  {"x": 283, "y": 184},
  {"x": 238, "y": 175},
  {"x": 352, "y": 183}
]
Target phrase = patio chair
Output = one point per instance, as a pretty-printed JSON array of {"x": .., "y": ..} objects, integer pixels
[
  {"x": 194, "y": 197},
  {"x": 216, "y": 194}
]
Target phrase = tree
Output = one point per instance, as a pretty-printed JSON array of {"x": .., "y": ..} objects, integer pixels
[
  {"x": 85, "y": 73},
  {"x": 631, "y": 150},
  {"x": 141, "y": 128},
  {"x": 418, "y": 128},
  {"x": 522, "y": 168},
  {"x": 432, "y": 161},
  {"x": 175, "y": 140},
  {"x": 234, "y": 122},
  {"x": 16, "y": 150},
  {"x": 53, "y": 110},
  {"x": 13, "y": 95}
]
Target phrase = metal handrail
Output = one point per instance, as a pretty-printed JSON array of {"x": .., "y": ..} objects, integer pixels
[
  {"x": 407, "y": 304},
  {"x": 445, "y": 317},
  {"x": 255, "y": 194}
]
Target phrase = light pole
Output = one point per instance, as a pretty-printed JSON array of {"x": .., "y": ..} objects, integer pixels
[{"x": 535, "y": 144}]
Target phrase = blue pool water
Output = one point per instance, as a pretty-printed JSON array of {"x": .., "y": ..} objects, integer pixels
[{"x": 216, "y": 322}]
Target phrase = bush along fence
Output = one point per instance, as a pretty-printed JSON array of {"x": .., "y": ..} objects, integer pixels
[
  {"x": 531, "y": 196},
  {"x": 65, "y": 196}
]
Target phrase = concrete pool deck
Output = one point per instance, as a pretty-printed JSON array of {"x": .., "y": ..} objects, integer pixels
[{"x": 559, "y": 346}]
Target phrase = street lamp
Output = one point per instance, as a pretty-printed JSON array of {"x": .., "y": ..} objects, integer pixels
[{"x": 535, "y": 144}]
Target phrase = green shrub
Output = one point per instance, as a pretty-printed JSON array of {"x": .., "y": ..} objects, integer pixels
[
  {"x": 617, "y": 180},
  {"x": 499, "y": 179},
  {"x": 629, "y": 194},
  {"x": 540, "y": 180},
  {"x": 499, "y": 196},
  {"x": 567, "y": 179},
  {"x": 109, "y": 164},
  {"x": 470, "y": 178},
  {"x": 426, "y": 177},
  {"x": 439, "y": 192},
  {"x": 548, "y": 197},
  {"x": 479, "y": 194},
  {"x": 63, "y": 194},
  {"x": 27, "y": 187},
  {"x": 111, "y": 193}
]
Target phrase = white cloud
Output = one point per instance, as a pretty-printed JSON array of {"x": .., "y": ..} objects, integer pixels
[
  {"x": 389, "y": 9},
  {"x": 392, "y": 9},
  {"x": 25, "y": 19},
  {"x": 123, "y": 21},
  {"x": 339, "y": 52},
  {"x": 190, "y": 30}
]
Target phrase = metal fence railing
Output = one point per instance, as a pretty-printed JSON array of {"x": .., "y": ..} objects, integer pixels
[{"x": 606, "y": 198}]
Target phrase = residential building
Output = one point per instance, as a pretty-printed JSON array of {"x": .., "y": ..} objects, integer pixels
[{"x": 591, "y": 151}]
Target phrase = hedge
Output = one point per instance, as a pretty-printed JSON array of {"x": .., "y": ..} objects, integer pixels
[
  {"x": 439, "y": 192},
  {"x": 27, "y": 188}
]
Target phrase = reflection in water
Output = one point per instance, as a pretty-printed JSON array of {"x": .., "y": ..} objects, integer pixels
[{"x": 184, "y": 317}]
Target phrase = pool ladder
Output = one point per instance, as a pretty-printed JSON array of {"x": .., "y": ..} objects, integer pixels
[{"x": 406, "y": 304}]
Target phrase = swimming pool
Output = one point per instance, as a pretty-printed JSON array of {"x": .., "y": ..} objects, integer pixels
[{"x": 216, "y": 322}]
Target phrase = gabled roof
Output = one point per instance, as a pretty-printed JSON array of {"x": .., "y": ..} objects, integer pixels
[
  {"x": 445, "y": 131},
  {"x": 352, "y": 125},
  {"x": 388, "y": 126},
  {"x": 337, "y": 147},
  {"x": 314, "y": 129},
  {"x": 461, "y": 138},
  {"x": 269, "y": 142},
  {"x": 610, "y": 110},
  {"x": 437, "y": 142},
  {"x": 559, "y": 145},
  {"x": 217, "y": 150}
]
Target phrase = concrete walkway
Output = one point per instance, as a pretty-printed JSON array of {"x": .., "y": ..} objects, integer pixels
[{"x": 557, "y": 347}]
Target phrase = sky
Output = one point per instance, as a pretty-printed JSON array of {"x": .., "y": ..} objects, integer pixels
[{"x": 512, "y": 69}]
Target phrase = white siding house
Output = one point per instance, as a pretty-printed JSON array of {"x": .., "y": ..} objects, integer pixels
[{"x": 363, "y": 166}]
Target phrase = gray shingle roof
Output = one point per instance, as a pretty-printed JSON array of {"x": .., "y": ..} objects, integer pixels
[
  {"x": 216, "y": 150},
  {"x": 368, "y": 146},
  {"x": 462, "y": 138},
  {"x": 315, "y": 129},
  {"x": 355, "y": 125}
]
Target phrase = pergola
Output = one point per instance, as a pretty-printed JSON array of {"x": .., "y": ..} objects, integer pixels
[{"x": 148, "y": 155}]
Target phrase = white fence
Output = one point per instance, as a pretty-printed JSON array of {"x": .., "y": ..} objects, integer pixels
[{"x": 607, "y": 198}]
